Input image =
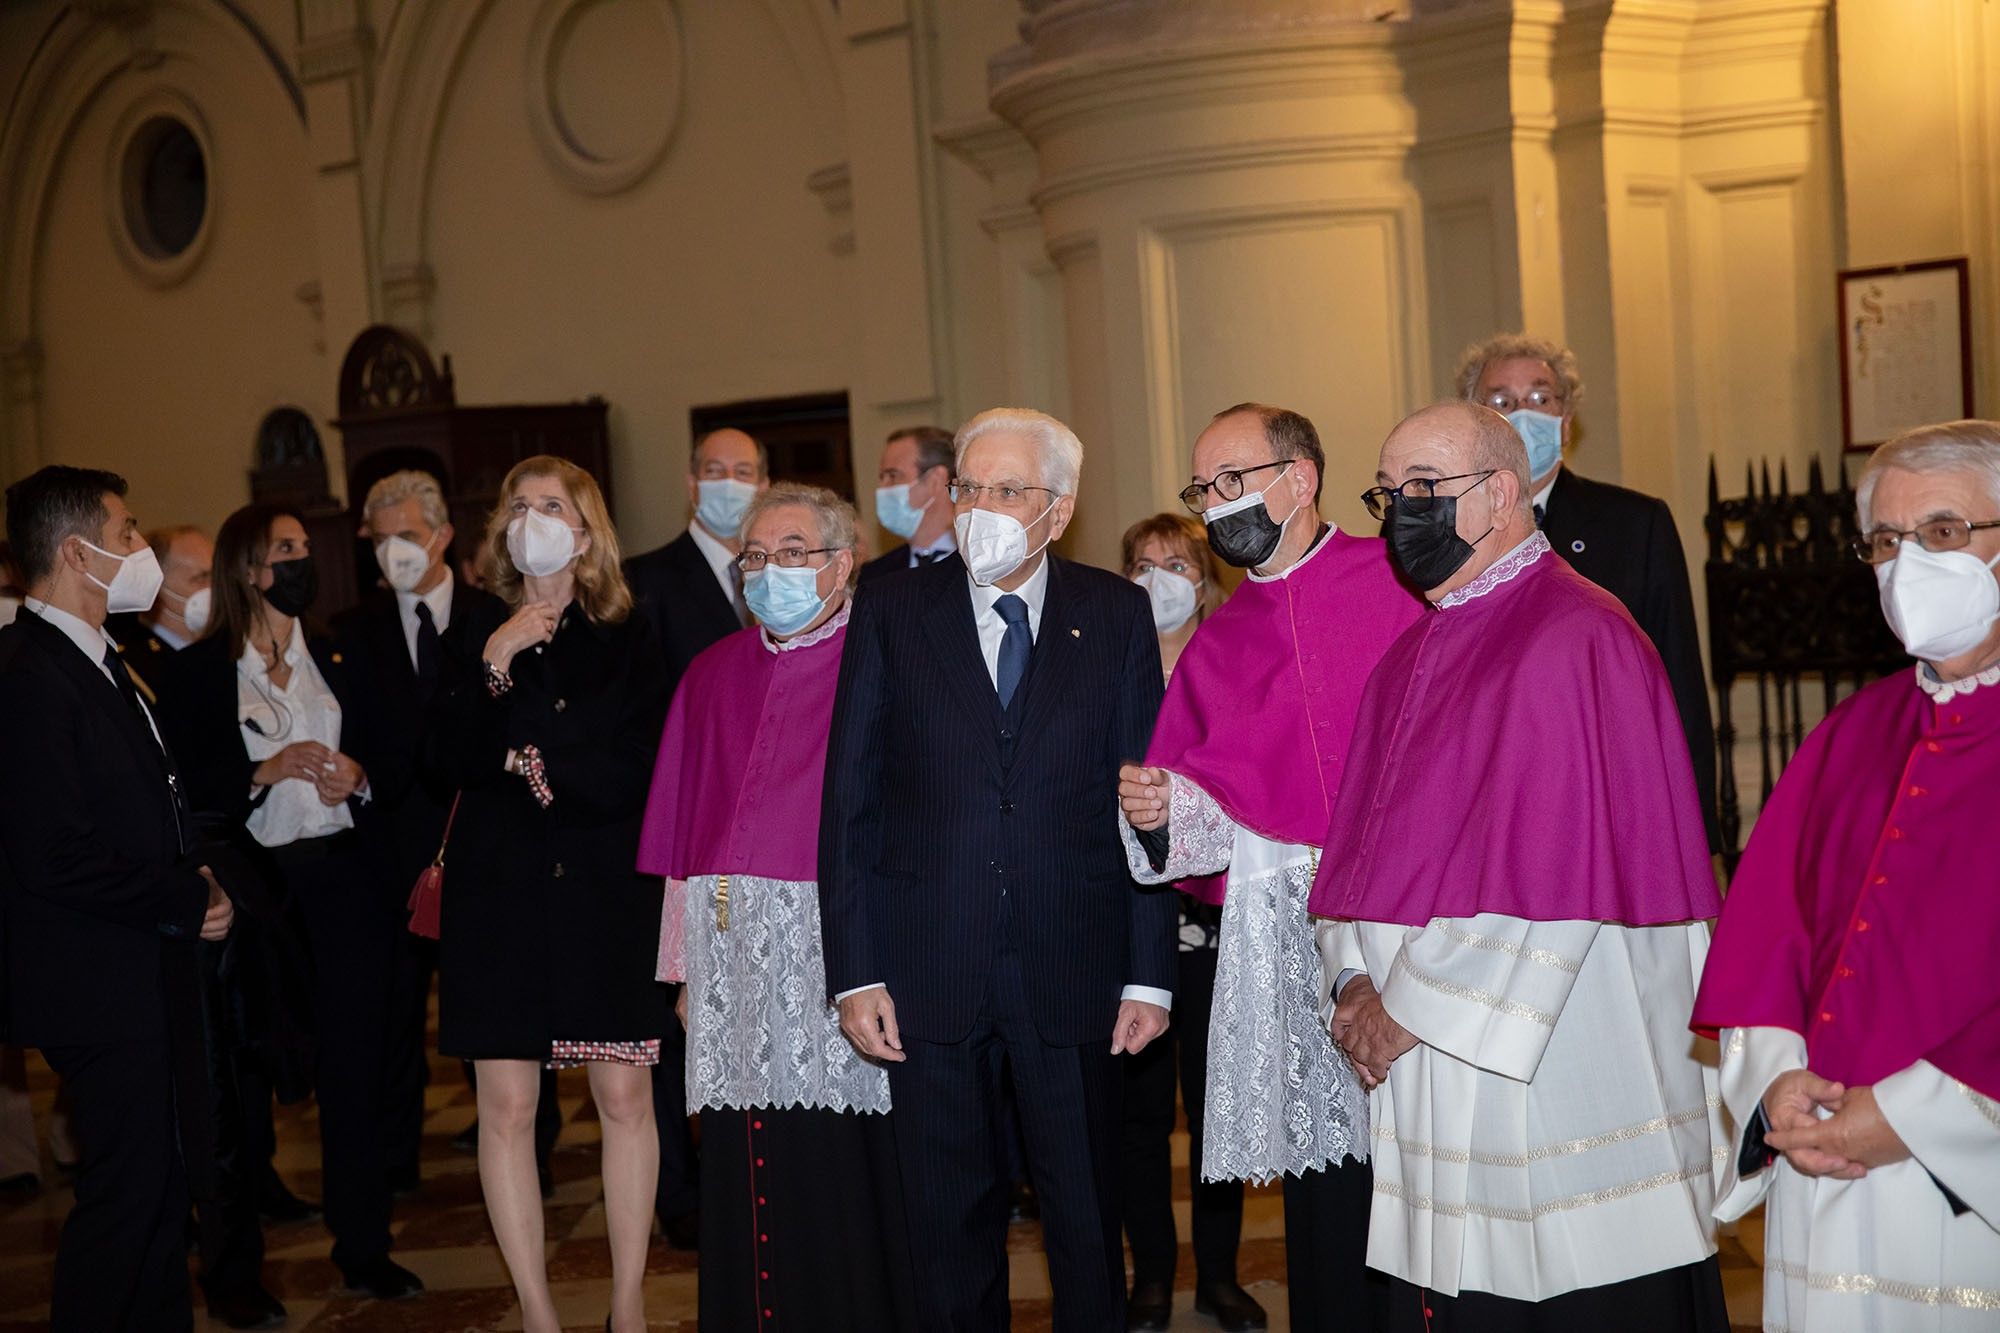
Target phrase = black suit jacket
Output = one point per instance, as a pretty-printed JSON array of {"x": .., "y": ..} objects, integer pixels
[
  {"x": 1625, "y": 543},
  {"x": 147, "y": 656},
  {"x": 388, "y": 711},
  {"x": 101, "y": 903},
  {"x": 676, "y": 591},
  {"x": 894, "y": 561},
  {"x": 935, "y": 802}
]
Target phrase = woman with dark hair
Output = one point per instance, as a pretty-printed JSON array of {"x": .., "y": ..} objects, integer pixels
[
  {"x": 256, "y": 715},
  {"x": 548, "y": 936}
]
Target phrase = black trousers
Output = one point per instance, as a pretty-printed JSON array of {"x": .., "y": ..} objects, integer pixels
[
  {"x": 955, "y": 1184},
  {"x": 122, "y": 1259},
  {"x": 1677, "y": 1300},
  {"x": 406, "y": 1061},
  {"x": 1330, "y": 1286},
  {"x": 230, "y": 1233},
  {"x": 802, "y": 1224},
  {"x": 679, "y": 1190},
  {"x": 351, "y": 933},
  {"x": 1147, "y": 1156}
]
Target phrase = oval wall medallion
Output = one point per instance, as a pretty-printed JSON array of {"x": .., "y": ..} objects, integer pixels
[
  {"x": 604, "y": 88},
  {"x": 160, "y": 186}
]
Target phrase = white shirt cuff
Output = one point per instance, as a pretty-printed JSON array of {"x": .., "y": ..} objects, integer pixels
[
  {"x": 1149, "y": 995},
  {"x": 873, "y": 985}
]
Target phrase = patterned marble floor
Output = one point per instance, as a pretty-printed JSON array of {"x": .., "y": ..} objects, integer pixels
[{"x": 442, "y": 1234}]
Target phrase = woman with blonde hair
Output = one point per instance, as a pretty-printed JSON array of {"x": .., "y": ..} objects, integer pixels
[
  {"x": 547, "y": 934},
  {"x": 1168, "y": 556}
]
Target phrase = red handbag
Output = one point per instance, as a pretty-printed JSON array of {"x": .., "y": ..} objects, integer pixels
[{"x": 427, "y": 894}]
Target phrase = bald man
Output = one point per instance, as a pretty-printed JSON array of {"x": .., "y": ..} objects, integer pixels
[
  {"x": 692, "y": 591},
  {"x": 1516, "y": 920}
]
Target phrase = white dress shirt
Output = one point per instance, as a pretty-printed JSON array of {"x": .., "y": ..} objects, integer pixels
[
  {"x": 92, "y": 642},
  {"x": 438, "y": 599},
  {"x": 272, "y": 718},
  {"x": 946, "y": 544},
  {"x": 722, "y": 563},
  {"x": 992, "y": 629},
  {"x": 173, "y": 638}
]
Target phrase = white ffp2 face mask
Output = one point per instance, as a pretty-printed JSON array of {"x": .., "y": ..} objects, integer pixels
[
  {"x": 1940, "y": 603},
  {"x": 994, "y": 545},
  {"x": 135, "y": 585},
  {"x": 1173, "y": 597},
  {"x": 540, "y": 545},
  {"x": 403, "y": 562}
]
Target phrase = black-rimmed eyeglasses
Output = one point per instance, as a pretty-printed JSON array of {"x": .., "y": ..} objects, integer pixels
[
  {"x": 1416, "y": 494},
  {"x": 1226, "y": 486}
]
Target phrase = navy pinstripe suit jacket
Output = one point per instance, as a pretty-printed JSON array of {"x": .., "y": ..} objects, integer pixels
[{"x": 935, "y": 803}]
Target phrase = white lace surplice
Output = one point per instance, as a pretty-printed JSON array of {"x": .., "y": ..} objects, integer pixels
[
  {"x": 1281, "y": 1100},
  {"x": 760, "y": 1030}
]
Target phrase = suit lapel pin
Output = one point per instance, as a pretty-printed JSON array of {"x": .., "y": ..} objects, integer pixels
[
  {"x": 1577, "y": 546},
  {"x": 1076, "y": 633}
]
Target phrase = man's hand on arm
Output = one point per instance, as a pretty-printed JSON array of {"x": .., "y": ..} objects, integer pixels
[
  {"x": 868, "y": 1018},
  {"x": 221, "y": 913},
  {"x": 1373, "y": 1040}
]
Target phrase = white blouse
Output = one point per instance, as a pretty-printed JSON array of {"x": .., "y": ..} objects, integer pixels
[{"x": 272, "y": 718}]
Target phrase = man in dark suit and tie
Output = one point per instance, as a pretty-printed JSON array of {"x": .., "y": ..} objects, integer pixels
[
  {"x": 1619, "y": 539},
  {"x": 395, "y": 644},
  {"x": 692, "y": 591},
  {"x": 149, "y": 643},
  {"x": 912, "y": 500},
  {"x": 102, "y": 900},
  {"x": 974, "y": 900}
]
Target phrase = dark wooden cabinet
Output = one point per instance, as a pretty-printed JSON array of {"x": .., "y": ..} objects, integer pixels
[{"x": 399, "y": 409}]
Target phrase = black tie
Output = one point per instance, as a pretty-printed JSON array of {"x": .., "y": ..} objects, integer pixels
[
  {"x": 918, "y": 558},
  {"x": 123, "y": 680},
  {"x": 430, "y": 652},
  {"x": 1540, "y": 514},
  {"x": 1014, "y": 647}
]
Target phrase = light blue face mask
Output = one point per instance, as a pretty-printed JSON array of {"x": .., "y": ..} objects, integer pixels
[
  {"x": 722, "y": 503},
  {"x": 894, "y": 511},
  {"x": 1543, "y": 434},
  {"x": 784, "y": 600}
]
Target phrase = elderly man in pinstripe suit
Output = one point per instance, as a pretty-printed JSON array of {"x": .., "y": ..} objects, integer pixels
[{"x": 974, "y": 896}]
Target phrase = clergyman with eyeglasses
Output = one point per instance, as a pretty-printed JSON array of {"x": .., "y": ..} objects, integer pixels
[
  {"x": 1515, "y": 924},
  {"x": 1241, "y": 778},
  {"x": 1623, "y": 541},
  {"x": 1853, "y": 974},
  {"x": 974, "y": 898}
]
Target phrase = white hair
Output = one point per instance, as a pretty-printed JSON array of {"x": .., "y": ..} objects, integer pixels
[
  {"x": 408, "y": 484},
  {"x": 1056, "y": 444},
  {"x": 1472, "y": 363},
  {"x": 832, "y": 515},
  {"x": 1950, "y": 446}
]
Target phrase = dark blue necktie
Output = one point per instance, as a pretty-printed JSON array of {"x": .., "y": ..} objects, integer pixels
[{"x": 1014, "y": 647}]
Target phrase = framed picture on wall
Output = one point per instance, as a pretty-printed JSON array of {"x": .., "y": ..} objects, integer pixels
[{"x": 1905, "y": 349}]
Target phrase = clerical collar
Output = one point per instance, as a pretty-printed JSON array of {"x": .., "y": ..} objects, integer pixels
[
  {"x": 1300, "y": 563},
  {"x": 1504, "y": 570},
  {"x": 834, "y": 624},
  {"x": 1943, "y": 691}
]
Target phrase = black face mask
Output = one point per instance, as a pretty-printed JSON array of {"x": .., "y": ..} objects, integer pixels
[
  {"x": 294, "y": 584},
  {"x": 1248, "y": 537},
  {"x": 1426, "y": 546}
]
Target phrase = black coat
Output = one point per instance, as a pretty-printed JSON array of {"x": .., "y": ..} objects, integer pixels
[
  {"x": 548, "y": 932},
  {"x": 896, "y": 560},
  {"x": 101, "y": 905},
  {"x": 150, "y": 658},
  {"x": 935, "y": 801},
  {"x": 389, "y": 711},
  {"x": 678, "y": 596},
  {"x": 1625, "y": 543}
]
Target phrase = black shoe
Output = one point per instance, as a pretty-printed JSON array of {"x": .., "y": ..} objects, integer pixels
[
  {"x": 467, "y": 1139},
  {"x": 251, "y": 1307},
  {"x": 383, "y": 1279},
  {"x": 1022, "y": 1205},
  {"x": 278, "y": 1205},
  {"x": 1151, "y": 1307},
  {"x": 1235, "y": 1309},
  {"x": 683, "y": 1232}
]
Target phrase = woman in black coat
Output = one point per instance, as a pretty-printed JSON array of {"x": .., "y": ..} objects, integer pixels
[
  {"x": 548, "y": 936},
  {"x": 256, "y": 711}
]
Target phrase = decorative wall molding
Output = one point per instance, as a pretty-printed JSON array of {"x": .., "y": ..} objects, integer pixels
[
  {"x": 597, "y": 168},
  {"x": 156, "y": 101},
  {"x": 834, "y": 188}
]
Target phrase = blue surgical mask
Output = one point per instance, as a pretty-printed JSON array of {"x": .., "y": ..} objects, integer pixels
[
  {"x": 1543, "y": 434},
  {"x": 784, "y": 600},
  {"x": 894, "y": 511},
  {"x": 722, "y": 503}
]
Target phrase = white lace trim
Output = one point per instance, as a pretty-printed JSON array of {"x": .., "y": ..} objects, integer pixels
[
  {"x": 1199, "y": 837},
  {"x": 1504, "y": 570},
  {"x": 1943, "y": 691},
  {"x": 1281, "y": 1100},
  {"x": 760, "y": 1030},
  {"x": 833, "y": 626}
]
